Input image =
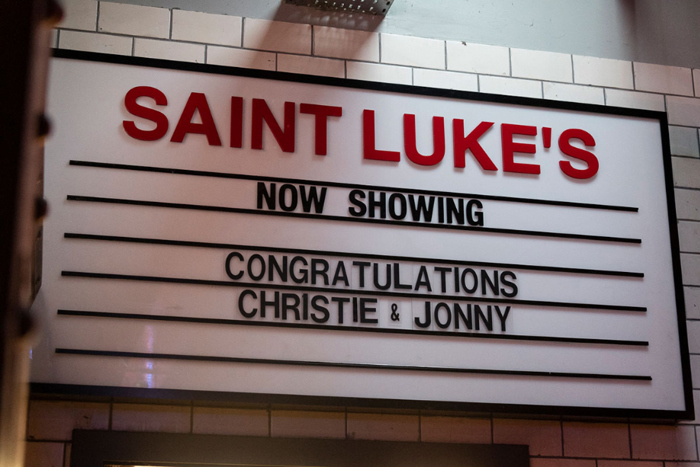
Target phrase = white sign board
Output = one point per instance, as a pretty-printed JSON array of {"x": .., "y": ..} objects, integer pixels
[{"x": 277, "y": 236}]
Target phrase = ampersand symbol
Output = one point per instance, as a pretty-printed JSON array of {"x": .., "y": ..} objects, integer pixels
[{"x": 394, "y": 313}]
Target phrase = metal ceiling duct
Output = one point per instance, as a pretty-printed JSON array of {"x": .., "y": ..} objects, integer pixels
[{"x": 372, "y": 7}]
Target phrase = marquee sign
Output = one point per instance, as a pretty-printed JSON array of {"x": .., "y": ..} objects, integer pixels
[{"x": 246, "y": 234}]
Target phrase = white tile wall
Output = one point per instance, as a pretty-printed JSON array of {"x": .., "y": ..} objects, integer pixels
[
  {"x": 380, "y": 73},
  {"x": 543, "y": 437},
  {"x": 683, "y": 111},
  {"x": 661, "y": 78},
  {"x": 79, "y": 14},
  {"x": 603, "y": 72},
  {"x": 573, "y": 93},
  {"x": 671, "y": 442},
  {"x": 609, "y": 463},
  {"x": 691, "y": 269},
  {"x": 694, "y": 336},
  {"x": 536, "y": 64},
  {"x": 635, "y": 100},
  {"x": 225, "y": 421},
  {"x": 510, "y": 86},
  {"x": 56, "y": 420},
  {"x": 168, "y": 50},
  {"x": 445, "y": 80},
  {"x": 388, "y": 427},
  {"x": 346, "y": 43},
  {"x": 692, "y": 307},
  {"x": 689, "y": 236},
  {"x": 478, "y": 58},
  {"x": 135, "y": 20},
  {"x": 207, "y": 28},
  {"x": 688, "y": 204},
  {"x": 94, "y": 42},
  {"x": 412, "y": 51},
  {"x": 43, "y": 455},
  {"x": 311, "y": 65},
  {"x": 684, "y": 141},
  {"x": 277, "y": 36},
  {"x": 151, "y": 417},
  {"x": 596, "y": 440},
  {"x": 308, "y": 424},
  {"x": 686, "y": 172},
  {"x": 455, "y": 430},
  {"x": 242, "y": 58},
  {"x": 539, "y": 462}
]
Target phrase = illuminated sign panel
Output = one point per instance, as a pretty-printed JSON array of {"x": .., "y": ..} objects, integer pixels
[{"x": 257, "y": 233}]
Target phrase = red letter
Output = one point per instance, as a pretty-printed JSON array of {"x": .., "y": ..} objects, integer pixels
[
  {"x": 153, "y": 115},
  {"x": 196, "y": 102},
  {"x": 321, "y": 112},
  {"x": 368, "y": 141},
  {"x": 409, "y": 141},
  {"x": 236, "y": 122},
  {"x": 471, "y": 142},
  {"x": 576, "y": 153},
  {"x": 510, "y": 147},
  {"x": 261, "y": 112}
]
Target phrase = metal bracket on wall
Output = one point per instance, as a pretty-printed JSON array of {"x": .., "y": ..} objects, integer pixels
[{"x": 372, "y": 7}]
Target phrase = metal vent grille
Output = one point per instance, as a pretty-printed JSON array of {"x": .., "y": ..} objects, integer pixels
[{"x": 373, "y": 7}]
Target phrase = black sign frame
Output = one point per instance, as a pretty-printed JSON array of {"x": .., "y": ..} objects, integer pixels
[{"x": 215, "y": 396}]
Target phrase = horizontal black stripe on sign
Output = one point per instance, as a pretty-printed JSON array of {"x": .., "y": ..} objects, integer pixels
[
  {"x": 343, "y": 254},
  {"x": 373, "y": 293},
  {"x": 402, "y": 224},
  {"x": 362, "y": 366},
  {"x": 200, "y": 173},
  {"x": 322, "y": 327}
]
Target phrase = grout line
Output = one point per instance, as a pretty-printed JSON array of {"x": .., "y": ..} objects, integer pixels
[
  {"x": 420, "y": 427},
  {"x": 276, "y": 60},
  {"x": 692, "y": 81},
  {"x": 445, "y": 43},
  {"x": 97, "y": 17},
  {"x": 191, "y": 416},
  {"x": 561, "y": 427},
  {"x": 313, "y": 52},
  {"x": 380, "y": 47},
  {"x": 573, "y": 73},
  {"x": 133, "y": 46},
  {"x": 412, "y": 78},
  {"x": 345, "y": 69},
  {"x": 634, "y": 78},
  {"x": 629, "y": 435},
  {"x": 697, "y": 130},
  {"x": 510, "y": 63},
  {"x": 542, "y": 89},
  {"x": 697, "y": 451},
  {"x": 58, "y": 38},
  {"x": 605, "y": 96},
  {"x": 26, "y": 414},
  {"x": 111, "y": 411},
  {"x": 170, "y": 25},
  {"x": 242, "y": 30},
  {"x": 206, "y": 50},
  {"x": 478, "y": 83}
]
